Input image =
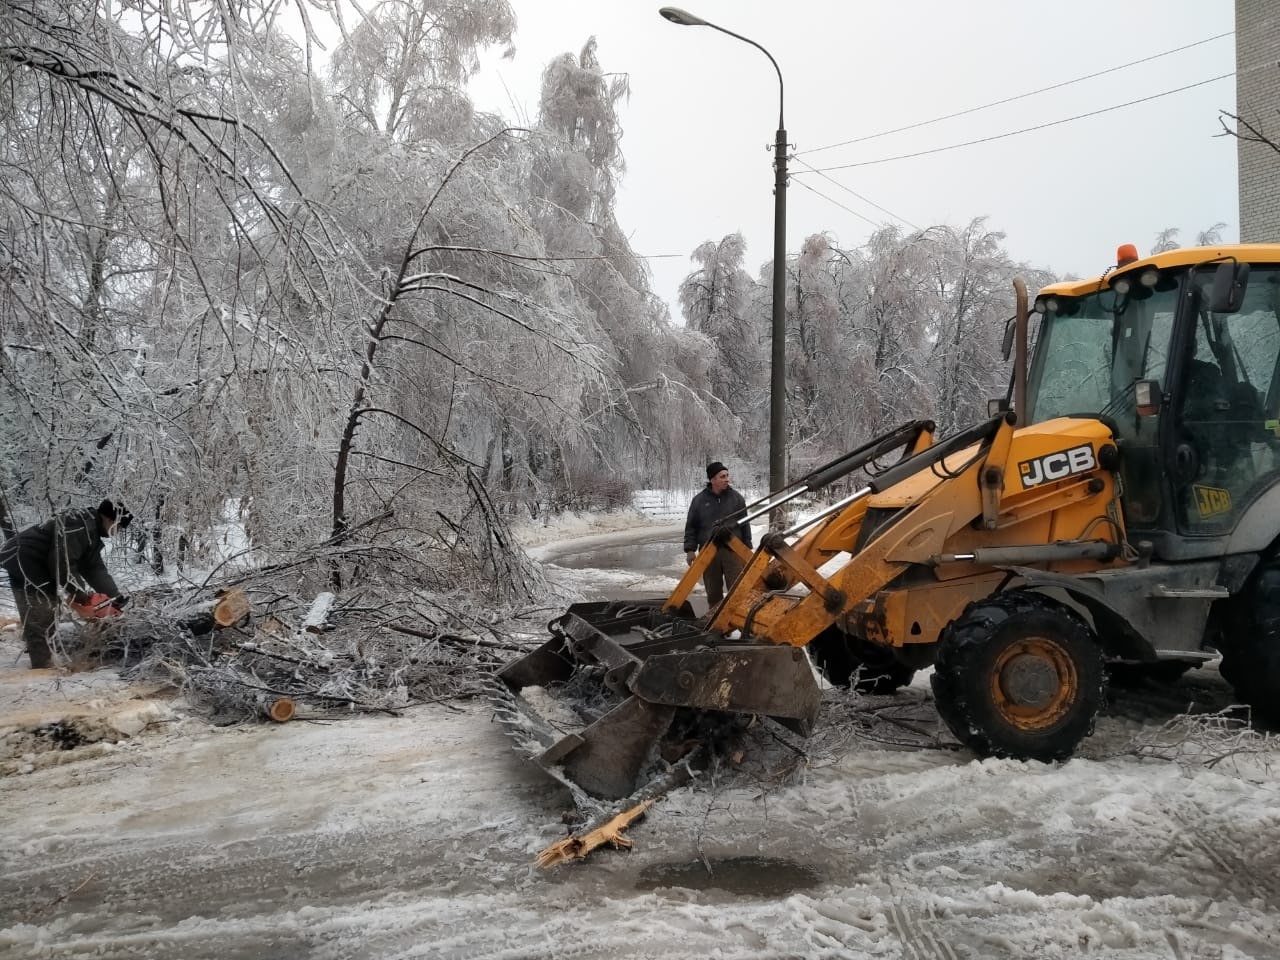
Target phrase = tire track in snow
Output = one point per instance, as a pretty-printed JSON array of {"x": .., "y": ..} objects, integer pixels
[
  {"x": 1227, "y": 854},
  {"x": 919, "y": 942}
]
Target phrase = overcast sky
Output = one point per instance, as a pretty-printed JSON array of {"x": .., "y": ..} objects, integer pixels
[{"x": 699, "y": 126}]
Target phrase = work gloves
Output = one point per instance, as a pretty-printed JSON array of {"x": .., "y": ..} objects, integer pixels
[
  {"x": 689, "y": 556},
  {"x": 95, "y": 606}
]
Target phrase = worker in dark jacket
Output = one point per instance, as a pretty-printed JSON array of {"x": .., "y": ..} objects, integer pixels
[
  {"x": 62, "y": 554},
  {"x": 715, "y": 502}
]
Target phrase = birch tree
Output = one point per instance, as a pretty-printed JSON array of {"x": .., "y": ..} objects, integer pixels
[
  {"x": 401, "y": 72},
  {"x": 183, "y": 320},
  {"x": 823, "y": 359},
  {"x": 715, "y": 301},
  {"x": 654, "y": 409},
  {"x": 128, "y": 161},
  {"x": 1166, "y": 239},
  {"x": 971, "y": 287}
]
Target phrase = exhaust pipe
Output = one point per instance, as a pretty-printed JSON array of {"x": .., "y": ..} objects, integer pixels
[{"x": 1020, "y": 350}]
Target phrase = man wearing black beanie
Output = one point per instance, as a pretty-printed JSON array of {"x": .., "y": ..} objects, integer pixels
[
  {"x": 62, "y": 554},
  {"x": 715, "y": 502}
]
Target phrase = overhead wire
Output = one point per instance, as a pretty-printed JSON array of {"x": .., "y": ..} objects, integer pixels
[
  {"x": 848, "y": 189},
  {"x": 1032, "y": 129},
  {"x": 924, "y": 232},
  {"x": 801, "y": 183},
  {"x": 1020, "y": 96},
  {"x": 822, "y": 171}
]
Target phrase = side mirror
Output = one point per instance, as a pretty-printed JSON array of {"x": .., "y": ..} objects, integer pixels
[
  {"x": 998, "y": 405},
  {"x": 1146, "y": 397},
  {"x": 1229, "y": 283},
  {"x": 1007, "y": 348}
]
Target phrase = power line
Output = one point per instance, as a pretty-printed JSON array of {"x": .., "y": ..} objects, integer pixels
[
  {"x": 1020, "y": 96},
  {"x": 1039, "y": 126},
  {"x": 848, "y": 189},
  {"x": 860, "y": 216},
  {"x": 923, "y": 233}
]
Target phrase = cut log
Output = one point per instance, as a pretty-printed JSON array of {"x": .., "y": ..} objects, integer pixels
[
  {"x": 279, "y": 709},
  {"x": 231, "y": 608},
  {"x": 318, "y": 614}
]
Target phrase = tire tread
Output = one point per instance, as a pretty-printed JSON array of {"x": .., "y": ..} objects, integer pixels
[{"x": 958, "y": 663}]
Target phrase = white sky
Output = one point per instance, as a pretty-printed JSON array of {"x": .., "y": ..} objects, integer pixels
[{"x": 699, "y": 126}]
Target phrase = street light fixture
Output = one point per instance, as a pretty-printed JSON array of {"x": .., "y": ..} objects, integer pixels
[{"x": 778, "y": 372}]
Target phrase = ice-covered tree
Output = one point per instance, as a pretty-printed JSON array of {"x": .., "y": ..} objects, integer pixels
[
  {"x": 655, "y": 409},
  {"x": 972, "y": 298},
  {"x": 402, "y": 71},
  {"x": 715, "y": 300}
]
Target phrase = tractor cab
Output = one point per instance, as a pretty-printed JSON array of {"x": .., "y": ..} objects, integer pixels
[{"x": 1179, "y": 353}]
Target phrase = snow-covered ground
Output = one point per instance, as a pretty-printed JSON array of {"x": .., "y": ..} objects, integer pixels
[{"x": 415, "y": 836}]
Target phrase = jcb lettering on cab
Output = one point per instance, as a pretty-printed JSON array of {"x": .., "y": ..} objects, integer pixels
[{"x": 1211, "y": 501}]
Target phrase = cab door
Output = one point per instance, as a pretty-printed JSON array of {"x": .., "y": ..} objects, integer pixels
[{"x": 1226, "y": 445}]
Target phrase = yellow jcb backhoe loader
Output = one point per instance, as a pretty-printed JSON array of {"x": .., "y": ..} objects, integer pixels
[{"x": 1120, "y": 507}]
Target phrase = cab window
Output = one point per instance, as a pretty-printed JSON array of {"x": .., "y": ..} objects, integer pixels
[{"x": 1230, "y": 407}]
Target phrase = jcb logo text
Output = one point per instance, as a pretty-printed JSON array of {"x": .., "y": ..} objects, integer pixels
[
  {"x": 1211, "y": 501},
  {"x": 1055, "y": 466}
]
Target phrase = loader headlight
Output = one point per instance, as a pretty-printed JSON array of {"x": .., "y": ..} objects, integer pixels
[
  {"x": 1149, "y": 277},
  {"x": 1051, "y": 304},
  {"x": 1121, "y": 285}
]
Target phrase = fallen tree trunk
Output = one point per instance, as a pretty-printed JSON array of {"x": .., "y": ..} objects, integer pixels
[{"x": 231, "y": 608}]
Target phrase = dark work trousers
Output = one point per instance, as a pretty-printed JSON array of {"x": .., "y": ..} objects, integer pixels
[
  {"x": 39, "y": 614},
  {"x": 724, "y": 569}
]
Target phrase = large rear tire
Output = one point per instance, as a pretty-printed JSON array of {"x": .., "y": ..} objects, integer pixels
[
  {"x": 852, "y": 662},
  {"x": 1250, "y": 648},
  {"x": 1254, "y": 674},
  {"x": 1127, "y": 674},
  {"x": 1019, "y": 675}
]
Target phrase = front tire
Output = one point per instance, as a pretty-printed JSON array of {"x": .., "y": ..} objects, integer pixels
[{"x": 1019, "y": 675}]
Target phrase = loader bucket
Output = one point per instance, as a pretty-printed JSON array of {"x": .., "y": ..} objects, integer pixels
[{"x": 595, "y": 703}]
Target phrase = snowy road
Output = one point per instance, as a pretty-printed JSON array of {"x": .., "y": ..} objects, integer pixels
[{"x": 415, "y": 836}]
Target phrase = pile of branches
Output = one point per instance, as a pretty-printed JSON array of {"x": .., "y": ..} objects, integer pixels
[
  {"x": 418, "y": 619},
  {"x": 1223, "y": 737},
  {"x": 371, "y": 650}
]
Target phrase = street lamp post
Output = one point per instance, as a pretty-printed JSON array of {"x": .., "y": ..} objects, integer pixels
[{"x": 778, "y": 369}]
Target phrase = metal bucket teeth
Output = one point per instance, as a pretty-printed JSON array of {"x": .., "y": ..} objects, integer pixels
[
  {"x": 601, "y": 757},
  {"x": 532, "y": 733}
]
